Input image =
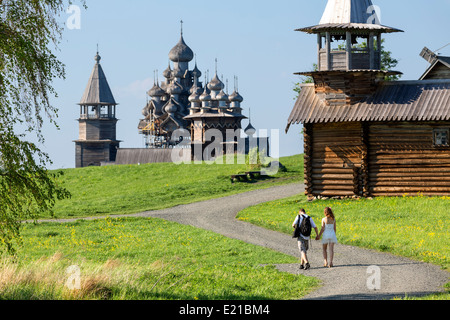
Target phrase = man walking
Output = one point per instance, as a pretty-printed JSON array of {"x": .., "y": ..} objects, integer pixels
[{"x": 305, "y": 223}]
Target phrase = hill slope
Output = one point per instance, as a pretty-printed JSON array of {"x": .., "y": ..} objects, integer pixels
[{"x": 135, "y": 188}]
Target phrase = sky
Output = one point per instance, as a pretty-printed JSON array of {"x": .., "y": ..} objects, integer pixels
[{"x": 253, "y": 40}]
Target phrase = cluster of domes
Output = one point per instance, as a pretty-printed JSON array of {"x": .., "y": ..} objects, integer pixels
[{"x": 182, "y": 94}]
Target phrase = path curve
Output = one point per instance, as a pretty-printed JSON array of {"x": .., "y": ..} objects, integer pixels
[{"x": 347, "y": 280}]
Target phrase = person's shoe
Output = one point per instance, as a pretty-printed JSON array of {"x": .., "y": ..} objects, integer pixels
[
  {"x": 301, "y": 267},
  {"x": 307, "y": 266}
]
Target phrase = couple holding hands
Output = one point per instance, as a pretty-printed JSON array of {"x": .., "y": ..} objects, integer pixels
[{"x": 304, "y": 224}]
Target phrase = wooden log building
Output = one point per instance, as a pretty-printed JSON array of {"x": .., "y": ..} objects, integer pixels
[{"x": 364, "y": 136}]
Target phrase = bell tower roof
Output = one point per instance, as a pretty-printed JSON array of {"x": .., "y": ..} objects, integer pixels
[
  {"x": 350, "y": 15},
  {"x": 97, "y": 90}
]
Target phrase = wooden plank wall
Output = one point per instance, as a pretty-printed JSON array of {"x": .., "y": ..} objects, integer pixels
[
  {"x": 403, "y": 160},
  {"x": 440, "y": 71},
  {"x": 101, "y": 129},
  {"x": 336, "y": 152},
  {"x": 92, "y": 154},
  {"x": 144, "y": 156}
]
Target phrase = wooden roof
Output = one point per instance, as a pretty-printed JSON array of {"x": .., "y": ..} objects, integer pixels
[
  {"x": 97, "y": 90},
  {"x": 356, "y": 27},
  {"x": 356, "y": 15},
  {"x": 425, "y": 100}
]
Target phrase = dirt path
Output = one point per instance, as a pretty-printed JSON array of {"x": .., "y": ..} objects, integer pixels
[{"x": 347, "y": 280}]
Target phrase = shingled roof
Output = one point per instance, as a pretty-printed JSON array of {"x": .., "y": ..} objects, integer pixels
[
  {"x": 97, "y": 90},
  {"x": 350, "y": 15},
  {"x": 424, "y": 100}
]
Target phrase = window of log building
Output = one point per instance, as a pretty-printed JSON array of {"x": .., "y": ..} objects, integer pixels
[{"x": 441, "y": 137}]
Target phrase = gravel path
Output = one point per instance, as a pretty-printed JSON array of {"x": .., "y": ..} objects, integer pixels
[{"x": 347, "y": 280}]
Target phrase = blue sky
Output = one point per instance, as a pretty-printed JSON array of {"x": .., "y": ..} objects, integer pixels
[{"x": 254, "y": 40}]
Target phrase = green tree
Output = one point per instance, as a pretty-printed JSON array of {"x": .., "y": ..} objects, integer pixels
[{"x": 29, "y": 31}]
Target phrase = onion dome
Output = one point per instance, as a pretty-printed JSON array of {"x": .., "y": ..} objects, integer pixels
[
  {"x": 196, "y": 72},
  {"x": 195, "y": 96},
  {"x": 181, "y": 52},
  {"x": 205, "y": 96},
  {"x": 171, "y": 107},
  {"x": 156, "y": 91},
  {"x": 222, "y": 96},
  {"x": 250, "y": 130},
  {"x": 174, "y": 88},
  {"x": 215, "y": 84},
  {"x": 236, "y": 97}
]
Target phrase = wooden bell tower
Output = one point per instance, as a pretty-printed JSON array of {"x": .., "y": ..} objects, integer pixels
[
  {"x": 97, "y": 142},
  {"x": 349, "y": 38}
]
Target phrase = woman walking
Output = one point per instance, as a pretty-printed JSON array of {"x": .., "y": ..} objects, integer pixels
[{"x": 329, "y": 238}]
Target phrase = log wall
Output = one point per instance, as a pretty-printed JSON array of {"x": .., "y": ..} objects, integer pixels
[
  {"x": 404, "y": 160},
  {"x": 94, "y": 153},
  {"x": 375, "y": 159},
  {"x": 334, "y": 156}
]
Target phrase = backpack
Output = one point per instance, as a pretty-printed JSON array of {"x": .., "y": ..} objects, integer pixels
[
  {"x": 296, "y": 233},
  {"x": 305, "y": 227}
]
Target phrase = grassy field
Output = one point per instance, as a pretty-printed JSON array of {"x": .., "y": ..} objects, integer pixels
[
  {"x": 131, "y": 188},
  {"x": 149, "y": 259},
  {"x": 415, "y": 227},
  {"x": 154, "y": 259}
]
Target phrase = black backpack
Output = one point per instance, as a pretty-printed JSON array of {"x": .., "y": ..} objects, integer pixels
[{"x": 305, "y": 227}]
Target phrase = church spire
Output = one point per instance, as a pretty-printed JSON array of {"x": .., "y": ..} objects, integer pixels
[{"x": 97, "y": 90}]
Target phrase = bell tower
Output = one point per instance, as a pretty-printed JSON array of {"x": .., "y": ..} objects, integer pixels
[
  {"x": 97, "y": 140},
  {"x": 349, "y": 38}
]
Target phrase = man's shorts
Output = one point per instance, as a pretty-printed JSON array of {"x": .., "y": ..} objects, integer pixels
[{"x": 303, "y": 245}]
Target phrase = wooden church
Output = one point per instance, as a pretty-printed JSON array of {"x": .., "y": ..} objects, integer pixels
[{"x": 365, "y": 136}]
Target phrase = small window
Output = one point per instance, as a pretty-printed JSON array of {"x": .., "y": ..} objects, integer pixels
[{"x": 441, "y": 137}]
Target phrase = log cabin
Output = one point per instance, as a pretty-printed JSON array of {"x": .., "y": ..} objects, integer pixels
[{"x": 365, "y": 136}]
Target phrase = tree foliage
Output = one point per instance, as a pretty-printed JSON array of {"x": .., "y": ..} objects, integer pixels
[{"x": 29, "y": 32}]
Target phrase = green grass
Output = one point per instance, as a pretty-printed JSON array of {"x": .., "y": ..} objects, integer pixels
[
  {"x": 149, "y": 259},
  {"x": 113, "y": 190},
  {"x": 415, "y": 227}
]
